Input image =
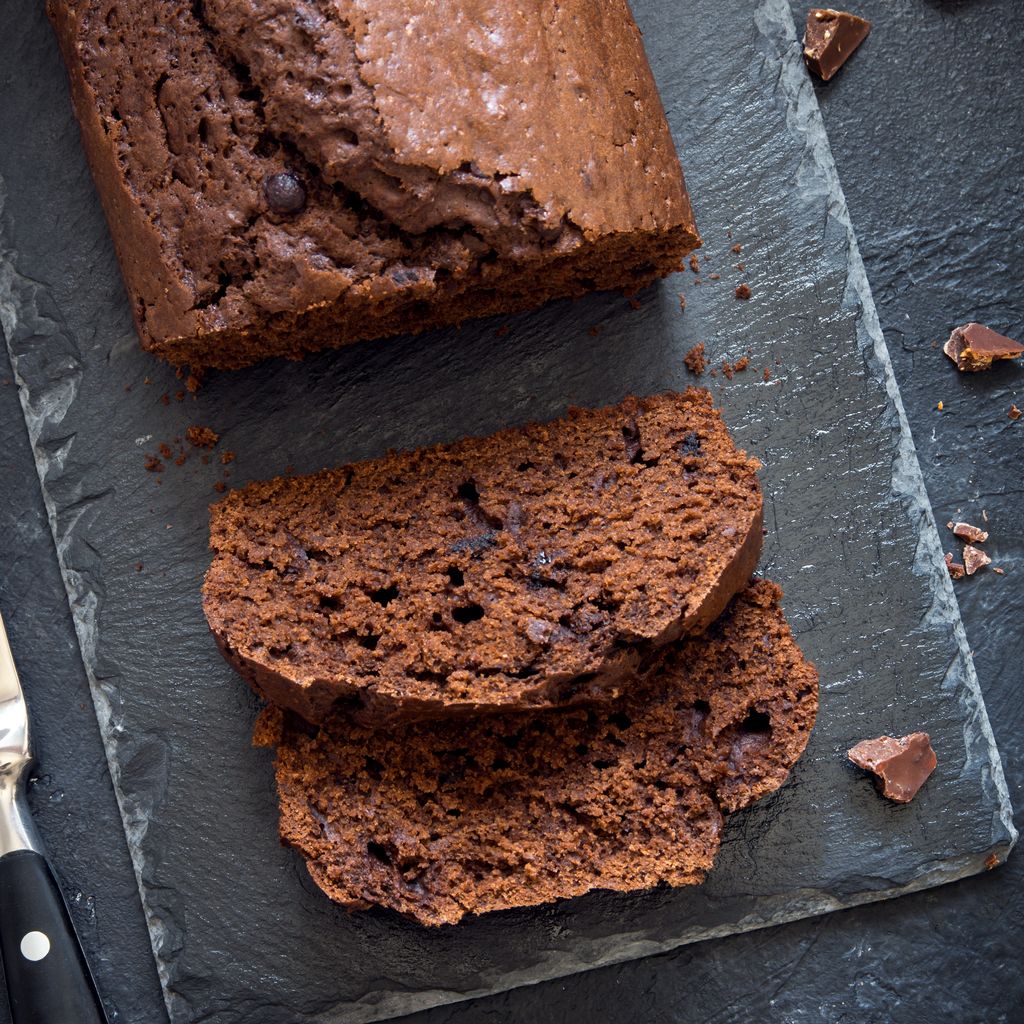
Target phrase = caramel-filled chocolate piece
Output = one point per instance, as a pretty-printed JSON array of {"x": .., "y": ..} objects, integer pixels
[
  {"x": 829, "y": 39},
  {"x": 901, "y": 763},
  {"x": 975, "y": 347}
]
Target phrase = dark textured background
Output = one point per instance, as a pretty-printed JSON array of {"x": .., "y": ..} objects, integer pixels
[{"x": 940, "y": 227}]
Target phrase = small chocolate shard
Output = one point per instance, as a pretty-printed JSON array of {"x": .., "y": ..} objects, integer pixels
[
  {"x": 830, "y": 37},
  {"x": 956, "y": 569},
  {"x": 901, "y": 764},
  {"x": 1014, "y": 413},
  {"x": 991, "y": 861},
  {"x": 974, "y": 559},
  {"x": 974, "y": 347},
  {"x": 965, "y": 531}
]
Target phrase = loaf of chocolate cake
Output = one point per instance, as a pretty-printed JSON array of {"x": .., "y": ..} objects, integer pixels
[
  {"x": 442, "y": 819},
  {"x": 538, "y": 566},
  {"x": 283, "y": 176}
]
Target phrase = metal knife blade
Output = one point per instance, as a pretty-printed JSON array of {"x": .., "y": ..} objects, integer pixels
[{"x": 47, "y": 976}]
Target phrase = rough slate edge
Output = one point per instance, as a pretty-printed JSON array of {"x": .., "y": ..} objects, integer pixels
[
  {"x": 45, "y": 410},
  {"x": 775, "y": 21}
]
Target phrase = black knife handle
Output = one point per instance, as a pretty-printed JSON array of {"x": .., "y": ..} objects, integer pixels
[{"x": 48, "y": 979}]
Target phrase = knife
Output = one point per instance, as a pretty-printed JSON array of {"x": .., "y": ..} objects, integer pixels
[{"x": 48, "y": 978}]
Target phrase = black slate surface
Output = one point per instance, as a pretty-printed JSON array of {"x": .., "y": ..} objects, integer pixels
[{"x": 706, "y": 228}]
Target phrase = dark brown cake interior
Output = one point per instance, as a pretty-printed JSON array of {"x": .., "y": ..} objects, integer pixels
[
  {"x": 438, "y": 820},
  {"x": 530, "y": 568}
]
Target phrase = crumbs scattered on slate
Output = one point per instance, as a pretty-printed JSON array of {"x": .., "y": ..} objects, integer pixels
[
  {"x": 502, "y": 330},
  {"x": 737, "y": 248},
  {"x": 202, "y": 437},
  {"x": 965, "y": 531},
  {"x": 740, "y": 266},
  {"x": 991, "y": 861},
  {"x": 741, "y": 364},
  {"x": 727, "y": 369},
  {"x": 153, "y": 464},
  {"x": 635, "y": 304},
  {"x": 220, "y": 487},
  {"x": 1014, "y": 413},
  {"x": 694, "y": 359},
  {"x": 138, "y": 567},
  {"x": 682, "y": 305},
  {"x": 694, "y": 263},
  {"x": 956, "y": 569},
  {"x": 766, "y": 374},
  {"x": 714, "y": 277},
  {"x": 743, "y": 291},
  {"x": 227, "y": 457},
  {"x": 165, "y": 399}
]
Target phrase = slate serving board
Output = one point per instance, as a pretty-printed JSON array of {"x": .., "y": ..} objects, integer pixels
[{"x": 239, "y": 932}]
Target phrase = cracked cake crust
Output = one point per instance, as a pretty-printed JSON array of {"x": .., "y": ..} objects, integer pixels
[{"x": 445, "y": 163}]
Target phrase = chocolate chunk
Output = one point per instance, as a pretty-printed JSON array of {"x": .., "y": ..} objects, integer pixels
[
  {"x": 829, "y": 39},
  {"x": 902, "y": 764},
  {"x": 743, "y": 291},
  {"x": 974, "y": 559},
  {"x": 202, "y": 437},
  {"x": 975, "y": 347},
  {"x": 956, "y": 569},
  {"x": 967, "y": 532},
  {"x": 1014, "y": 413},
  {"x": 284, "y": 193}
]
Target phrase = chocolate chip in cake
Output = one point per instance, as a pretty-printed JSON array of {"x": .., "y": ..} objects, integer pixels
[{"x": 284, "y": 192}]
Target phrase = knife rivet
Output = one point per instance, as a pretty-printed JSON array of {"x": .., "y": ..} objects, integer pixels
[{"x": 35, "y": 946}]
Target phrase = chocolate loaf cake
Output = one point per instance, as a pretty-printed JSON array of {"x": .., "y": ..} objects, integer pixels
[
  {"x": 281, "y": 177},
  {"x": 442, "y": 819},
  {"x": 537, "y": 566}
]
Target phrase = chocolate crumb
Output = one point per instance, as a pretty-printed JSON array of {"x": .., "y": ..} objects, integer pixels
[
  {"x": 991, "y": 861},
  {"x": 956, "y": 569},
  {"x": 138, "y": 567},
  {"x": 995, "y": 568},
  {"x": 202, "y": 437},
  {"x": 682, "y": 303},
  {"x": 694, "y": 264},
  {"x": 727, "y": 369},
  {"x": 740, "y": 266},
  {"x": 635, "y": 304},
  {"x": 166, "y": 451},
  {"x": 1014, "y": 413},
  {"x": 146, "y": 380},
  {"x": 165, "y": 399},
  {"x": 502, "y": 330},
  {"x": 181, "y": 460},
  {"x": 743, "y": 291},
  {"x": 179, "y": 395},
  {"x": 194, "y": 381},
  {"x": 153, "y": 464},
  {"x": 714, "y": 277},
  {"x": 226, "y": 457},
  {"x": 220, "y": 487},
  {"x": 737, "y": 248},
  {"x": 974, "y": 559},
  {"x": 901, "y": 764},
  {"x": 741, "y": 364},
  {"x": 766, "y": 374},
  {"x": 694, "y": 359}
]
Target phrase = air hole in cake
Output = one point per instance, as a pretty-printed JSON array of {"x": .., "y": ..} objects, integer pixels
[
  {"x": 377, "y": 851},
  {"x": 602, "y": 763},
  {"x": 329, "y": 602},
  {"x": 385, "y": 595},
  {"x": 620, "y": 720},
  {"x": 348, "y": 136},
  {"x": 512, "y": 741},
  {"x": 454, "y": 812},
  {"x": 582, "y": 749},
  {"x": 756, "y": 722},
  {"x": 374, "y": 768},
  {"x": 455, "y": 576},
  {"x": 370, "y": 641},
  {"x": 468, "y": 613},
  {"x": 499, "y": 764},
  {"x": 266, "y": 145},
  {"x": 661, "y": 785},
  {"x": 468, "y": 492},
  {"x": 524, "y": 466}
]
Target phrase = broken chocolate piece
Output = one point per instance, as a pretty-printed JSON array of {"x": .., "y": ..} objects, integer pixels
[
  {"x": 975, "y": 347},
  {"x": 829, "y": 39},
  {"x": 967, "y": 532},
  {"x": 902, "y": 764},
  {"x": 974, "y": 559},
  {"x": 1014, "y": 413},
  {"x": 743, "y": 291},
  {"x": 956, "y": 569}
]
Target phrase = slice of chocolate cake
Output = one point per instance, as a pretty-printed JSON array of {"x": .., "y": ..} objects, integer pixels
[
  {"x": 531, "y": 568},
  {"x": 442, "y": 819}
]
